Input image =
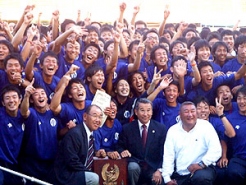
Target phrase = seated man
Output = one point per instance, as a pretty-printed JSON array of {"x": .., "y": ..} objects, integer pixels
[
  {"x": 142, "y": 142},
  {"x": 191, "y": 149},
  {"x": 75, "y": 152}
]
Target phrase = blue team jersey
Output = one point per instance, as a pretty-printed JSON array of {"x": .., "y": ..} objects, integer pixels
[
  {"x": 165, "y": 114},
  {"x": 144, "y": 64},
  {"x": 64, "y": 67},
  {"x": 5, "y": 81},
  {"x": 89, "y": 94},
  {"x": 238, "y": 143},
  {"x": 40, "y": 136},
  {"x": 216, "y": 67},
  {"x": 70, "y": 113},
  {"x": 211, "y": 94},
  {"x": 49, "y": 88},
  {"x": 11, "y": 134},
  {"x": 218, "y": 126},
  {"x": 106, "y": 138},
  {"x": 233, "y": 65},
  {"x": 233, "y": 109}
]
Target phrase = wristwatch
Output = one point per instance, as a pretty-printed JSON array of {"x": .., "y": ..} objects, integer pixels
[{"x": 202, "y": 165}]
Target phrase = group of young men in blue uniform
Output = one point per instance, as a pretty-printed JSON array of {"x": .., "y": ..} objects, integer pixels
[{"x": 48, "y": 82}]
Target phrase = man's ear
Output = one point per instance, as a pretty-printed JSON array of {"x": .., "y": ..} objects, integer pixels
[
  {"x": 88, "y": 79},
  {"x": 3, "y": 103}
]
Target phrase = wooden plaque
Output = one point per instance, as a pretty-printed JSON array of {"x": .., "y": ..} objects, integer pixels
[{"x": 111, "y": 172}]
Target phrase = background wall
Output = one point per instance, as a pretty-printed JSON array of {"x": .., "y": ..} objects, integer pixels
[{"x": 212, "y": 12}]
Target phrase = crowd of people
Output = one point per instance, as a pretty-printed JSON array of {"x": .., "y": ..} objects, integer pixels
[{"x": 177, "y": 109}]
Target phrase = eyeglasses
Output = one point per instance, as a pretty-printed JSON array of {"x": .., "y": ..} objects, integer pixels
[
  {"x": 153, "y": 38},
  {"x": 96, "y": 116}
]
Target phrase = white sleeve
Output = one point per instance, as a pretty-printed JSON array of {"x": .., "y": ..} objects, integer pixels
[{"x": 168, "y": 157}]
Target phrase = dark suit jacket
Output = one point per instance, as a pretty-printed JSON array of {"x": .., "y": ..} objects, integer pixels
[
  {"x": 130, "y": 139},
  {"x": 72, "y": 154}
]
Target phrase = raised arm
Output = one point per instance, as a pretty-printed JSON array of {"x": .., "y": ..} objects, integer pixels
[
  {"x": 24, "y": 109},
  {"x": 196, "y": 75},
  {"x": 55, "y": 24},
  {"x": 55, "y": 104},
  {"x": 136, "y": 9},
  {"x": 27, "y": 9},
  {"x": 164, "y": 84},
  {"x": 123, "y": 46},
  {"x": 122, "y": 10},
  {"x": 63, "y": 37},
  {"x": 241, "y": 72},
  {"x": 136, "y": 64},
  {"x": 229, "y": 130},
  {"x": 27, "y": 46},
  {"x": 112, "y": 61},
  {"x": 162, "y": 26},
  {"x": 19, "y": 35},
  {"x": 5, "y": 27},
  {"x": 30, "y": 63},
  {"x": 179, "y": 32}
]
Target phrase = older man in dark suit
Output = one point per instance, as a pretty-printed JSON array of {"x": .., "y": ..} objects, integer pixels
[
  {"x": 142, "y": 142},
  {"x": 75, "y": 154}
]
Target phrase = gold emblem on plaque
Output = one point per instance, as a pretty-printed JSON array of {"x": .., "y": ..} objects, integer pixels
[{"x": 110, "y": 175}]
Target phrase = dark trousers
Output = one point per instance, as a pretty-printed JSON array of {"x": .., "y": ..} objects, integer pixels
[
  {"x": 221, "y": 178},
  {"x": 205, "y": 176},
  {"x": 7, "y": 178},
  {"x": 236, "y": 171}
]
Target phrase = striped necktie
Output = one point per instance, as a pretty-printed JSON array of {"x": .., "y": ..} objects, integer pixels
[{"x": 90, "y": 153}]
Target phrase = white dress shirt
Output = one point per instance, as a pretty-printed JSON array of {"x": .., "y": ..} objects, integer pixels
[{"x": 183, "y": 148}]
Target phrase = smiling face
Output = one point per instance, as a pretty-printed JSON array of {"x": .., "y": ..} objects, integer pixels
[
  {"x": 113, "y": 110},
  {"x": 11, "y": 102},
  {"x": 49, "y": 66},
  {"x": 171, "y": 94},
  {"x": 93, "y": 119},
  {"x": 203, "y": 54},
  {"x": 229, "y": 40},
  {"x": 152, "y": 40},
  {"x": 224, "y": 92},
  {"x": 4, "y": 51},
  {"x": 188, "y": 115},
  {"x": 177, "y": 49},
  {"x": 144, "y": 112},
  {"x": 90, "y": 55},
  {"x": 122, "y": 88},
  {"x": 12, "y": 68},
  {"x": 92, "y": 37},
  {"x": 207, "y": 76},
  {"x": 77, "y": 92},
  {"x": 39, "y": 98},
  {"x": 220, "y": 53},
  {"x": 160, "y": 58},
  {"x": 138, "y": 83},
  {"x": 241, "y": 102},
  {"x": 203, "y": 110},
  {"x": 97, "y": 80},
  {"x": 72, "y": 51}
]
